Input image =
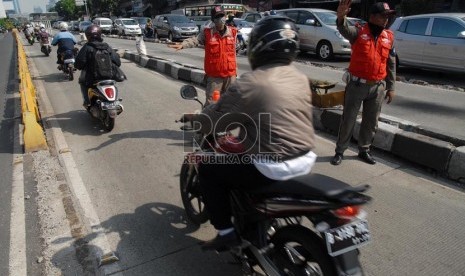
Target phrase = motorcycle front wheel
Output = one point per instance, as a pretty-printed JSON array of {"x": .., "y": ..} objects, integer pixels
[
  {"x": 299, "y": 251},
  {"x": 191, "y": 195}
]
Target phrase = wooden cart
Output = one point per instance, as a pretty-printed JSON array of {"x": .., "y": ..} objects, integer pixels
[{"x": 322, "y": 97}]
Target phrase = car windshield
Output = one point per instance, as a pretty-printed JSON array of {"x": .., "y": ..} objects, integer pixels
[
  {"x": 142, "y": 20},
  {"x": 242, "y": 23},
  {"x": 179, "y": 19},
  {"x": 329, "y": 18},
  {"x": 129, "y": 22},
  {"x": 105, "y": 22}
]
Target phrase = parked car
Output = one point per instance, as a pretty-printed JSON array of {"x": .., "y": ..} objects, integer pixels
[
  {"x": 244, "y": 28},
  {"x": 318, "y": 32},
  {"x": 74, "y": 26},
  {"x": 252, "y": 17},
  {"x": 174, "y": 26},
  {"x": 200, "y": 20},
  {"x": 83, "y": 25},
  {"x": 104, "y": 23},
  {"x": 142, "y": 21},
  {"x": 127, "y": 26},
  {"x": 433, "y": 41}
]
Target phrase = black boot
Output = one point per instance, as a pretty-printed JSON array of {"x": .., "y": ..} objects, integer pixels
[
  {"x": 222, "y": 243},
  {"x": 366, "y": 157}
]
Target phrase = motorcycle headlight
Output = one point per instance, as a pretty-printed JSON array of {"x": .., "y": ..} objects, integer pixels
[{"x": 176, "y": 28}]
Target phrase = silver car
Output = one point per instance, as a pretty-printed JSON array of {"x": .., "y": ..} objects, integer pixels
[
  {"x": 318, "y": 32},
  {"x": 433, "y": 41}
]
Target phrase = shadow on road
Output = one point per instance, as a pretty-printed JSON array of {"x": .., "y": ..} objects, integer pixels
[{"x": 154, "y": 240}]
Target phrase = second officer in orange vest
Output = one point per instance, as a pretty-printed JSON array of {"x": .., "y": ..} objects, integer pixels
[
  {"x": 220, "y": 52},
  {"x": 372, "y": 71}
]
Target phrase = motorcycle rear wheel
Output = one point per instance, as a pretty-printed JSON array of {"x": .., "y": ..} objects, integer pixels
[
  {"x": 70, "y": 73},
  {"x": 108, "y": 122},
  {"x": 299, "y": 251},
  {"x": 191, "y": 196}
]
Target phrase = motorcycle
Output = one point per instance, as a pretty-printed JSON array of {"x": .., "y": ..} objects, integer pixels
[
  {"x": 104, "y": 103},
  {"x": 67, "y": 63},
  {"x": 308, "y": 225},
  {"x": 45, "y": 46},
  {"x": 30, "y": 38}
]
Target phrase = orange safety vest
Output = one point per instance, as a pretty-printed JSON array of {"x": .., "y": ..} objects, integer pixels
[
  {"x": 369, "y": 58},
  {"x": 220, "y": 53}
]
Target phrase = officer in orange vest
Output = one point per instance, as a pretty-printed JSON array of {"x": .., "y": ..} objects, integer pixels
[
  {"x": 372, "y": 71},
  {"x": 220, "y": 52}
]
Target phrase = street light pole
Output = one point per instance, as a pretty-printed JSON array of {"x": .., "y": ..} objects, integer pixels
[{"x": 87, "y": 11}]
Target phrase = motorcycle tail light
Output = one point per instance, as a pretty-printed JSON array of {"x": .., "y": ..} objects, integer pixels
[
  {"x": 110, "y": 92},
  {"x": 347, "y": 212}
]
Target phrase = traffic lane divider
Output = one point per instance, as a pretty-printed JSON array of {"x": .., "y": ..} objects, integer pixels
[
  {"x": 34, "y": 135},
  {"x": 430, "y": 152}
]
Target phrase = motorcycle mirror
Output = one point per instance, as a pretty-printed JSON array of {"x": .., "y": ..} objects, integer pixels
[{"x": 188, "y": 92}]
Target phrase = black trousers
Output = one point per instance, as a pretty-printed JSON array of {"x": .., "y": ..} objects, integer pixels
[{"x": 217, "y": 179}]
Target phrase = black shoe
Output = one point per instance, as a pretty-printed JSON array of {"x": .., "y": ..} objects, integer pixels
[
  {"x": 337, "y": 159},
  {"x": 366, "y": 156},
  {"x": 222, "y": 243}
]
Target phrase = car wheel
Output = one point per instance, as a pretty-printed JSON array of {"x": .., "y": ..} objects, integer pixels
[{"x": 324, "y": 50}]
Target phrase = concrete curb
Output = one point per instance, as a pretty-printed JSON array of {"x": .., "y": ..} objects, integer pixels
[{"x": 400, "y": 137}]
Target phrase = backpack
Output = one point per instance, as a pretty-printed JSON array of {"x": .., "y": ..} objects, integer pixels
[{"x": 102, "y": 64}]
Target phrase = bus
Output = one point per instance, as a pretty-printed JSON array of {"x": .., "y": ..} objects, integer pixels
[{"x": 202, "y": 13}]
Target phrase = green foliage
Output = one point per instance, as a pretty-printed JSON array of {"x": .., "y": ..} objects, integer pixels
[
  {"x": 101, "y": 6},
  {"x": 66, "y": 9},
  {"x": 412, "y": 7},
  {"x": 6, "y": 23}
]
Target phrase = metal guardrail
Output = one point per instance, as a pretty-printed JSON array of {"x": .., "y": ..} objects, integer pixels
[{"x": 34, "y": 136}]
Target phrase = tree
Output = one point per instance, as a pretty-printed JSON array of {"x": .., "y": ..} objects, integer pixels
[
  {"x": 157, "y": 5},
  {"x": 66, "y": 9},
  {"x": 101, "y": 6}
]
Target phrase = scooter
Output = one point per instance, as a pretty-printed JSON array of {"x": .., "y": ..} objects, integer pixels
[
  {"x": 45, "y": 46},
  {"x": 67, "y": 63},
  {"x": 104, "y": 103},
  {"x": 308, "y": 225}
]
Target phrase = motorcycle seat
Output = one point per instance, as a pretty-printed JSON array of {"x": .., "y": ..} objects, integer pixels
[{"x": 311, "y": 184}]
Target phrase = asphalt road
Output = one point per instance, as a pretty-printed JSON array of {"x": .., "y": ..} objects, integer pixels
[
  {"x": 7, "y": 113},
  {"x": 438, "y": 109},
  {"x": 131, "y": 175}
]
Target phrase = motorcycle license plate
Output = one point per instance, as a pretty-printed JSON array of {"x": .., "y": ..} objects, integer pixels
[
  {"x": 69, "y": 60},
  {"x": 347, "y": 237}
]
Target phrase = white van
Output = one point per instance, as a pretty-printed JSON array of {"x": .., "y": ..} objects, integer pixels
[{"x": 104, "y": 23}]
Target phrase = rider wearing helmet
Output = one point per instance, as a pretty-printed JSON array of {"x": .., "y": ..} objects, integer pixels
[
  {"x": 272, "y": 107},
  {"x": 85, "y": 57},
  {"x": 65, "y": 41}
]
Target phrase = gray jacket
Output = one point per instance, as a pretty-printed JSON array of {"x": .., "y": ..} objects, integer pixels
[
  {"x": 273, "y": 108},
  {"x": 351, "y": 33}
]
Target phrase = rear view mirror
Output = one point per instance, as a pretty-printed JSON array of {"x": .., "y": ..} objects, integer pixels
[
  {"x": 310, "y": 22},
  {"x": 188, "y": 92}
]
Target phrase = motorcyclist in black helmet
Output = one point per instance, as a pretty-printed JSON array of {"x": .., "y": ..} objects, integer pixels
[
  {"x": 85, "y": 58},
  {"x": 272, "y": 107}
]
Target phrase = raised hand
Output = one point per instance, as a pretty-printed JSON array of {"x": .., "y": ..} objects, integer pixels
[{"x": 344, "y": 8}]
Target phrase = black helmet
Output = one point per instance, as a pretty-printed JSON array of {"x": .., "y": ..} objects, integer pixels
[
  {"x": 217, "y": 11},
  {"x": 273, "y": 39},
  {"x": 93, "y": 33}
]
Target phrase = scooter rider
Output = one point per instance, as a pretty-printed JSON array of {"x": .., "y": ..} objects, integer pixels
[
  {"x": 85, "y": 57},
  {"x": 272, "y": 107},
  {"x": 65, "y": 41},
  {"x": 43, "y": 36}
]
